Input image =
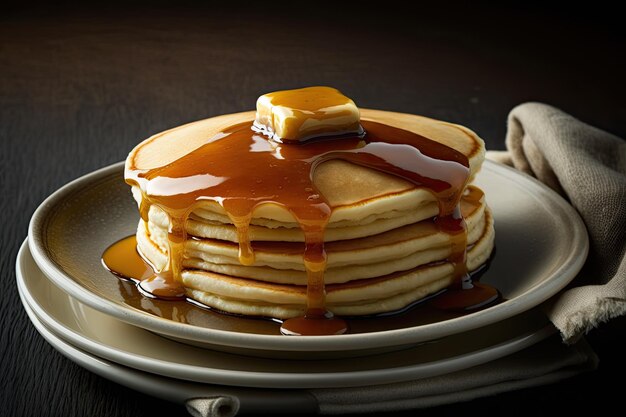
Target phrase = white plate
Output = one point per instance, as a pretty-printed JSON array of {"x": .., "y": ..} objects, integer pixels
[
  {"x": 228, "y": 401},
  {"x": 541, "y": 244},
  {"x": 111, "y": 339}
]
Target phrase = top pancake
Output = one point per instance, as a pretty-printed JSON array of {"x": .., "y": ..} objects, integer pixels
[{"x": 355, "y": 192}]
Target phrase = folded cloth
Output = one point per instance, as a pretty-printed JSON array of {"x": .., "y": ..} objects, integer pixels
[
  {"x": 588, "y": 167},
  {"x": 544, "y": 363}
]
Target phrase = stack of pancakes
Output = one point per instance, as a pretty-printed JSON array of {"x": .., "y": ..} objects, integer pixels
[{"x": 384, "y": 250}]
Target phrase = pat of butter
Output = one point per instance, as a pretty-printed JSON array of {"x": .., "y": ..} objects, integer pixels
[{"x": 298, "y": 115}]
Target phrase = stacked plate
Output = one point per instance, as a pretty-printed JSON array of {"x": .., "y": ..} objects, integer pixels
[{"x": 182, "y": 351}]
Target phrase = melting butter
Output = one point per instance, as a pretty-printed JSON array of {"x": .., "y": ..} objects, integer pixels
[{"x": 305, "y": 113}]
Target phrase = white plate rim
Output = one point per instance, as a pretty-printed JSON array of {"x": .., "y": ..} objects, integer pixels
[{"x": 532, "y": 297}]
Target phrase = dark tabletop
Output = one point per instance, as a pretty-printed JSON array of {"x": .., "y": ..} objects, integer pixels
[{"x": 80, "y": 87}]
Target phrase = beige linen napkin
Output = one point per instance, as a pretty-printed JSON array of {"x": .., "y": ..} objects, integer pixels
[{"x": 588, "y": 167}]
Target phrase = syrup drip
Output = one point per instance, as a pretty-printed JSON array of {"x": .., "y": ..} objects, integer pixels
[{"x": 241, "y": 170}]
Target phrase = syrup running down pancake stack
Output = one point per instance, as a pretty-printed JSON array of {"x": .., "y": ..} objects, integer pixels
[{"x": 304, "y": 210}]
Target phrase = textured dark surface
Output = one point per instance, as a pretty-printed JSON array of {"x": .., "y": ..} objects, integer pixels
[{"x": 79, "y": 88}]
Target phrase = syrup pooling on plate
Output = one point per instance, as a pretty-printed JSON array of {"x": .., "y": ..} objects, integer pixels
[{"x": 123, "y": 260}]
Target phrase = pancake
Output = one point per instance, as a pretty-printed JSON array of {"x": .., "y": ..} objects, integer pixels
[
  {"x": 361, "y": 297},
  {"x": 356, "y": 193},
  {"x": 381, "y": 254}
]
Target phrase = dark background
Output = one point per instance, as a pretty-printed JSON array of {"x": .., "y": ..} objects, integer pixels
[{"x": 79, "y": 87}]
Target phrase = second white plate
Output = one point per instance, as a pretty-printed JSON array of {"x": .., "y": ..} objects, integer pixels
[{"x": 111, "y": 339}]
